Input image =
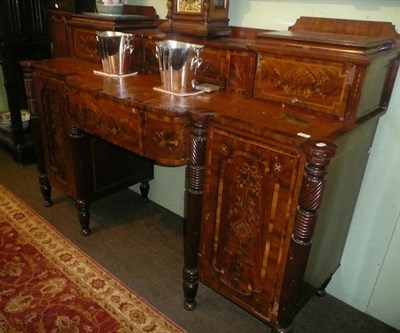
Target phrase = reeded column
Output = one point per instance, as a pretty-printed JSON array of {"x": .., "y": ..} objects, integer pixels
[
  {"x": 198, "y": 140},
  {"x": 318, "y": 156}
]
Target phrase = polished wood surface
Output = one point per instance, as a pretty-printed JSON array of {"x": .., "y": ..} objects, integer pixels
[
  {"x": 274, "y": 165},
  {"x": 107, "y": 167}
]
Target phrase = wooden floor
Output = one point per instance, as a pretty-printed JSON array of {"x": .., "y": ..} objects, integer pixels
[{"x": 141, "y": 243}]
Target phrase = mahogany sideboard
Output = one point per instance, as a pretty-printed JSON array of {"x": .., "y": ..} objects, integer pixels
[{"x": 275, "y": 158}]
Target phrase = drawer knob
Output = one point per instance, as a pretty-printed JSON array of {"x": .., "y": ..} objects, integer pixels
[{"x": 56, "y": 5}]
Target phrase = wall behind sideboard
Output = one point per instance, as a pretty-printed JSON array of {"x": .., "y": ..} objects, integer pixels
[{"x": 369, "y": 277}]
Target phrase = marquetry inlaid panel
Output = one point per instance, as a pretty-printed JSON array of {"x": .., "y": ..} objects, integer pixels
[
  {"x": 166, "y": 139},
  {"x": 240, "y": 68},
  {"x": 83, "y": 44},
  {"x": 214, "y": 67},
  {"x": 106, "y": 119},
  {"x": 316, "y": 85},
  {"x": 249, "y": 189},
  {"x": 55, "y": 130},
  {"x": 226, "y": 68}
]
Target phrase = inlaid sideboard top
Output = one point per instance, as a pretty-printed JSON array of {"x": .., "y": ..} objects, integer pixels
[{"x": 137, "y": 92}]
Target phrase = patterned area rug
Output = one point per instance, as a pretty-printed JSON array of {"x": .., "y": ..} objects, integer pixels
[{"x": 47, "y": 285}]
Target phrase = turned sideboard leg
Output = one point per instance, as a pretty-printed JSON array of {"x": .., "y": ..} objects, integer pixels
[
  {"x": 144, "y": 189},
  {"x": 199, "y": 123},
  {"x": 81, "y": 201},
  {"x": 321, "y": 291},
  {"x": 83, "y": 216},
  {"x": 45, "y": 187},
  {"x": 318, "y": 155}
]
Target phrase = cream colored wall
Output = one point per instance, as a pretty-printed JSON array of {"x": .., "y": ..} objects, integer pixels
[
  {"x": 369, "y": 277},
  {"x": 385, "y": 300},
  {"x": 373, "y": 236}
]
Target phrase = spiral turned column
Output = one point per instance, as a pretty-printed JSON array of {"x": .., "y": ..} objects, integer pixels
[
  {"x": 45, "y": 187},
  {"x": 198, "y": 140},
  {"x": 318, "y": 156}
]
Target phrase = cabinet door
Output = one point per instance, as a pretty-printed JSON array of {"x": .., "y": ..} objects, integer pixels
[
  {"x": 55, "y": 131},
  {"x": 247, "y": 219}
]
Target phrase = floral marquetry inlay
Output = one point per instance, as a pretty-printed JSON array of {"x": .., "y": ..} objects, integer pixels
[
  {"x": 166, "y": 139},
  {"x": 167, "y": 144},
  {"x": 242, "y": 231},
  {"x": 85, "y": 45},
  {"x": 309, "y": 85},
  {"x": 237, "y": 248},
  {"x": 319, "y": 86},
  {"x": 56, "y": 104},
  {"x": 248, "y": 208}
]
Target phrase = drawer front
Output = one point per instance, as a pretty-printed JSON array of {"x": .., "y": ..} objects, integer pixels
[
  {"x": 247, "y": 209},
  {"x": 105, "y": 119},
  {"x": 315, "y": 85},
  {"x": 166, "y": 139}
]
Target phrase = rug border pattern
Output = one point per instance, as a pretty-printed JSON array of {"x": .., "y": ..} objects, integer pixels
[{"x": 54, "y": 246}]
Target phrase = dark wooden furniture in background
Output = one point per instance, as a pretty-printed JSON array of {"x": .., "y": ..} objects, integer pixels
[
  {"x": 23, "y": 36},
  {"x": 275, "y": 159},
  {"x": 57, "y": 13},
  {"x": 72, "y": 26}
]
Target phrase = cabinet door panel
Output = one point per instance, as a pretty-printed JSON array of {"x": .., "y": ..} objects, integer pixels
[
  {"x": 246, "y": 219},
  {"x": 55, "y": 129}
]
